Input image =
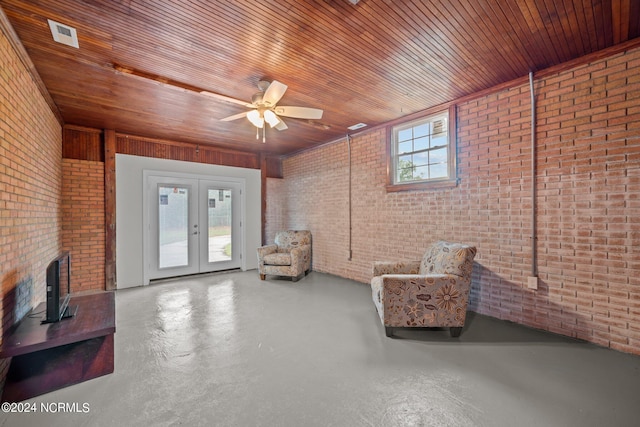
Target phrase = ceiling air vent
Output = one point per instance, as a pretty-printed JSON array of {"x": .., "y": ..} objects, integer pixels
[
  {"x": 357, "y": 126},
  {"x": 64, "y": 34}
]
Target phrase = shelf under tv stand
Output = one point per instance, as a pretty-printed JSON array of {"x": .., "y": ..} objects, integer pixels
[{"x": 50, "y": 356}]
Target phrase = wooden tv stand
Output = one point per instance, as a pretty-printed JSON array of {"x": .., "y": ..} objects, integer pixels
[{"x": 47, "y": 357}]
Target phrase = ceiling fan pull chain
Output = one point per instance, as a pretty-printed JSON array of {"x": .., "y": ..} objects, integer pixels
[
  {"x": 257, "y": 133},
  {"x": 264, "y": 139}
]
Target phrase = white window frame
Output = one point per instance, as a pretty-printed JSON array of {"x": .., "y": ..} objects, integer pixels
[{"x": 394, "y": 184}]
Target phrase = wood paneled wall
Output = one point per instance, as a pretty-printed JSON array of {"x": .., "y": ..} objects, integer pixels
[
  {"x": 83, "y": 143},
  {"x": 148, "y": 147}
]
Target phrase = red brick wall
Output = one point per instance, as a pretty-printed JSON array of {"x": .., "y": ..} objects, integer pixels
[
  {"x": 316, "y": 189},
  {"x": 588, "y": 203},
  {"x": 275, "y": 212},
  {"x": 83, "y": 222},
  {"x": 30, "y": 182}
]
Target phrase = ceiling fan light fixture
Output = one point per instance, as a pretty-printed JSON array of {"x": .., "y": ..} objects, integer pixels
[
  {"x": 255, "y": 118},
  {"x": 271, "y": 118}
]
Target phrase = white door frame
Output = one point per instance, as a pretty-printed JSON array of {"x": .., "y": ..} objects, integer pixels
[{"x": 147, "y": 205}]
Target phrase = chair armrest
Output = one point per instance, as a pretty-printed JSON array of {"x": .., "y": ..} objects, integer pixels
[
  {"x": 443, "y": 291},
  {"x": 428, "y": 281},
  {"x": 301, "y": 249},
  {"x": 266, "y": 250},
  {"x": 299, "y": 252},
  {"x": 395, "y": 267},
  {"x": 424, "y": 300}
]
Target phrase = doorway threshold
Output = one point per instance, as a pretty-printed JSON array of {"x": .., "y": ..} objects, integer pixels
[{"x": 183, "y": 277}]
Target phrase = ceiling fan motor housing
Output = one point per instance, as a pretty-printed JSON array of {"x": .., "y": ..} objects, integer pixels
[
  {"x": 257, "y": 97},
  {"x": 263, "y": 85}
]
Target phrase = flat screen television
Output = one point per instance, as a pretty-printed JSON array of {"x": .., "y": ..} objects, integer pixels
[{"x": 59, "y": 289}]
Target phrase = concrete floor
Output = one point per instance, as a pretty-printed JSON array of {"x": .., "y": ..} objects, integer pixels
[{"x": 231, "y": 350}]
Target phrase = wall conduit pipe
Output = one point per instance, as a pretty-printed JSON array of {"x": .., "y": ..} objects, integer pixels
[
  {"x": 349, "y": 202},
  {"x": 534, "y": 231}
]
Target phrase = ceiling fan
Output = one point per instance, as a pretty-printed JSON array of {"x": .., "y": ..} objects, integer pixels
[
  {"x": 263, "y": 103},
  {"x": 264, "y": 108}
]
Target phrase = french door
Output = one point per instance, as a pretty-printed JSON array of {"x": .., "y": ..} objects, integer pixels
[{"x": 194, "y": 225}]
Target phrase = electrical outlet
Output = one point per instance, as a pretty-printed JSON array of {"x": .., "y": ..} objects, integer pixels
[{"x": 532, "y": 282}]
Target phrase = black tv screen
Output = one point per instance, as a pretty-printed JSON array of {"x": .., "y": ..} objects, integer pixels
[{"x": 58, "y": 288}]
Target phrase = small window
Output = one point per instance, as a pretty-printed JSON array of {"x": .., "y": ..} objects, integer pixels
[{"x": 421, "y": 152}]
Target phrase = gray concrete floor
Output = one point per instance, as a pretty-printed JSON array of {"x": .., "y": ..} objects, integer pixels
[{"x": 231, "y": 350}]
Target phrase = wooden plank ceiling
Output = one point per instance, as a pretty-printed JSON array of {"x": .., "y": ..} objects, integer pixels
[{"x": 372, "y": 62}]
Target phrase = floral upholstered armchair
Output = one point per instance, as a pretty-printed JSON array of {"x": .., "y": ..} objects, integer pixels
[
  {"x": 289, "y": 256},
  {"x": 433, "y": 292}
]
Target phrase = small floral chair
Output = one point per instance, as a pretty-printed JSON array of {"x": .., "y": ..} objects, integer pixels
[
  {"x": 433, "y": 292},
  {"x": 289, "y": 256}
]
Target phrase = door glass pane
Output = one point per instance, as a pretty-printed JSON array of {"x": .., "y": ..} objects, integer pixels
[
  {"x": 219, "y": 219},
  {"x": 173, "y": 231}
]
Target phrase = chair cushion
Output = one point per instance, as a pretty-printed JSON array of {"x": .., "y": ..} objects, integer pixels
[
  {"x": 448, "y": 258},
  {"x": 278, "y": 258},
  {"x": 286, "y": 240}
]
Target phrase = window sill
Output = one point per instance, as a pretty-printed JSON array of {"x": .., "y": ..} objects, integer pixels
[{"x": 420, "y": 186}]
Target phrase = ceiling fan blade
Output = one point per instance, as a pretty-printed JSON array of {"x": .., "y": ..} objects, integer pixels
[
  {"x": 234, "y": 117},
  {"x": 299, "y": 112},
  {"x": 226, "y": 98},
  {"x": 281, "y": 125},
  {"x": 274, "y": 92}
]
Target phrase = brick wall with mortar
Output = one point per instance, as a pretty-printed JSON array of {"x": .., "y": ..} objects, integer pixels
[
  {"x": 30, "y": 186},
  {"x": 83, "y": 222},
  {"x": 274, "y": 215},
  {"x": 588, "y": 203}
]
